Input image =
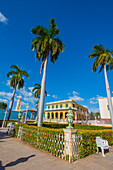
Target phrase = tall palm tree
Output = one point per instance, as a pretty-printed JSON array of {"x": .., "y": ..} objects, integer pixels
[
  {"x": 46, "y": 44},
  {"x": 104, "y": 59},
  {"x": 37, "y": 91},
  {"x": 16, "y": 81}
]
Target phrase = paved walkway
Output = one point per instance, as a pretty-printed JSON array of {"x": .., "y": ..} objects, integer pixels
[{"x": 16, "y": 155}]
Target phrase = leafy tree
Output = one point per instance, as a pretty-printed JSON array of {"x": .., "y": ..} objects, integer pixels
[
  {"x": 46, "y": 44},
  {"x": 37, "y": 91},
  {"x": 16, "y": 81},
  {"x": 3, "y": 105},
  {"x": 104, "y": 59}
]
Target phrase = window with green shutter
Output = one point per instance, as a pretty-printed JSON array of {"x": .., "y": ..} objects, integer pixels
[
  {"x": 52, "y": 106},
  {"x": 56, "y": 106},
  {"x": 61, "y": 106},
  {"x": 48, "y": 107},
  {"x": 66, "y": 105}
]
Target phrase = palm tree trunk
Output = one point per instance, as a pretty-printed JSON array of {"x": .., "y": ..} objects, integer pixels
[
  {"x": 11, "y": 104},
  {"x": 42, "y": 95},
  {"x": 108, "y": 95}
]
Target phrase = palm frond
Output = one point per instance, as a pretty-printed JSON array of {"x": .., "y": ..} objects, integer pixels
[
  {"x": 15, "y": 67},
  {"x": 98, "y": 48},
  {"x": 11, "y": 72},
  {"x": 25, "y": 73},
  {"x": 21, "y": 83}
]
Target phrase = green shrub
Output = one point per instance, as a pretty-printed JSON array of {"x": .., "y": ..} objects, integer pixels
[
  {"x": 88, "y": 142},
  {"x": 47, "y": 139}
]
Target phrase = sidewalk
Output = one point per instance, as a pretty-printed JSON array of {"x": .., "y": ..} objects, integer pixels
[{"x": 16, "y": 155}]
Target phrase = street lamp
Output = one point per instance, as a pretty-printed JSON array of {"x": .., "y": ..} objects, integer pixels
[
  {"x": 27, "y": 106},
  {"x": 4, "y": 117}
]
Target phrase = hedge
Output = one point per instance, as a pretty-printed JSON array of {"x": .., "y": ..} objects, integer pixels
[
  {"x": 47, "y": 137},
  {"x": 76, "y": 126},
  {"x": 88, "y": 142}
]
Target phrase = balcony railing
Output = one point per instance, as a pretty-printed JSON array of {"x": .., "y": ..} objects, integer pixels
[{"x": 63, "y": 108}]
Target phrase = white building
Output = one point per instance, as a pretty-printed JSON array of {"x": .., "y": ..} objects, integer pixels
[{"x": 104, "y": 109}]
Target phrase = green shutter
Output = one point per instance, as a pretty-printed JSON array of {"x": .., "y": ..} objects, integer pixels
[
  {"x": 61, "y": 106},
  {"x": 56, "y": 106},
  {"x": 66, "y": 105},
  {"x": 52, "y": 106}
]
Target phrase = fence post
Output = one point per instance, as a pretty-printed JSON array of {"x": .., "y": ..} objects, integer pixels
[{"x": 69, "y": 143}]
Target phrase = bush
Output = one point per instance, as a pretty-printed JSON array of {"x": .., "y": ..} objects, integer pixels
[
  {"x": 88, "y": 142},
  {"x": 47, "y": 139},
  {"x": 76, "y": 126},
  {"x": 43, "y": 138},
  {"x": 90, "y": 127}
]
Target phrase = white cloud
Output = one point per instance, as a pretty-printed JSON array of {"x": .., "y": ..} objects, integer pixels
[
  {"x": 6, "y": 95},
  {"x": 30, "y": 99},
  {"x": 19, "y": 96},
  {"x": 94, "y": 100},
  {"x": 8, "y": 82},
  {"x": 23, "y": 103},
  {"x": 74, "y": 92},
  {"x": 30, "y": 88},
  {"x": 3, "y": 19},
  {"x": 4, "y": 100},
  {"x": 48, "y": 95},
  {"x": 94, "y": 110},
  {"x": 54, "y": 96},
  {"x": 24, "y": 92},
  {"x": 76, "y": 96}
]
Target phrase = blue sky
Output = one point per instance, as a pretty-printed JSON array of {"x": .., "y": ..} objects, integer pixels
[{"x": 82, "y": 24}]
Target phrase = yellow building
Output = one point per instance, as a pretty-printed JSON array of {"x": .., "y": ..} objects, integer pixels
[{"x": 59, "y": 110}]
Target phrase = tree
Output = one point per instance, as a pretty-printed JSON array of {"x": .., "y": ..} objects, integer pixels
[
  {"x": 16, "y": 81},
  {"x": 3, "y": 105},
  {"x": 103, "y": 59},
  {"x": 46, "y": 44},
  {"x": 37, "y": 91}
]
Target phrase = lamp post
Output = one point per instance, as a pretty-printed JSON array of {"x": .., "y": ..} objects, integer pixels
[
  {"x": 4, "y": 117},
  {"x": 27, "y": 106}
]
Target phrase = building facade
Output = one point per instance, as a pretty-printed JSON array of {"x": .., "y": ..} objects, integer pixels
[
  {"x": 58, "y": 110},
  {"x": 104, "y": 109}
]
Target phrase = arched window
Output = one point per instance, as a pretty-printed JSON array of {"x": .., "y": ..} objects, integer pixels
[
  {"x": 48, "y": 115},
  {"x": 52, "y": 115},
  {"x": 66, "y": 114},
  {"x": 56, "y": 115},
  {"x": 61, "y": 115}
]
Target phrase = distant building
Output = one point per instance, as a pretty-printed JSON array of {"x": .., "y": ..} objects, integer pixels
[
  {"x": 59, "y": 109},
  {"x": 104, "y": 110},
  {"x": 18, "y": 106},
  {"x": 31, "y": 114}
]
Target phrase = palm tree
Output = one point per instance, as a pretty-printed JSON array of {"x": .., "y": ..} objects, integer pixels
[
  {"x": 37, "y": 91},
  {"x": 103, "y": 59},
  {"x": 46, "y": 44},
  {"x": 16, "y": 81}
]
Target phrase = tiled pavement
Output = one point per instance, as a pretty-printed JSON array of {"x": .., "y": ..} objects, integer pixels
[{"x": 16, "y": 155}]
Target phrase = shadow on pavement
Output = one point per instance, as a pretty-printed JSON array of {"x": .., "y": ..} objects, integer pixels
[
  {"x": 13, "y": 163},
  {"x": 20, "y": 160}
]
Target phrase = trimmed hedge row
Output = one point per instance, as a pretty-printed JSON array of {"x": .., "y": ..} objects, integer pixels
[
  {"x": 88, "y": 142},
  {"x": 76, "y": 126},
  {"x": 43, "y": 138},
  {"x": 47, "y": 137}
]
